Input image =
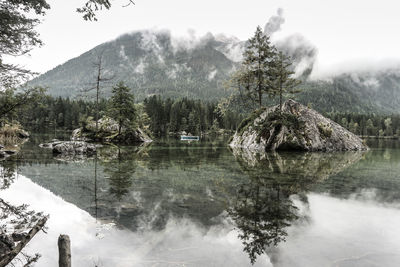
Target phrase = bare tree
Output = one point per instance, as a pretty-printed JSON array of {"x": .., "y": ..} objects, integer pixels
[{"x": 101, "y": 78}]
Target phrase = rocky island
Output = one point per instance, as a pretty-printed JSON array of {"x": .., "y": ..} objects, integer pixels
[
  {"x": 295, "y": 127},
  {"x": 107, "y": 131}
]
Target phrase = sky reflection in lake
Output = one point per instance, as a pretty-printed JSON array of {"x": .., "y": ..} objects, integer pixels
[{"x": 182, "y": 242}]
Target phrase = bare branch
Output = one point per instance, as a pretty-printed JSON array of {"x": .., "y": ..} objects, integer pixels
[{"x": 130, "y": 3}]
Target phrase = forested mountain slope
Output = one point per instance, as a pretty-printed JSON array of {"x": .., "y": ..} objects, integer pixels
[
  {"x": 367, "y": 92},
  {"x": 150, "y": 63}
]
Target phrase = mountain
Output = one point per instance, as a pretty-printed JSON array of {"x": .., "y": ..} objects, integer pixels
[
  {"x": 155, "y": 62},
  {"x": 360, "y": 92},
  {"x": 150, "y": 63}
]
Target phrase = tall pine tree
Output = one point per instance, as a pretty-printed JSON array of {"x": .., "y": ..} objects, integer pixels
[
  {"x": 122, "y": 106},
  {"x": 255, "y": 75}
]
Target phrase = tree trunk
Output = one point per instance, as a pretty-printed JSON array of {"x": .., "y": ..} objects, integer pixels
[
  {"x": 97, "y": 96},
  {"x": 64, "y": 251},
  {"x": 280, "y": 87}
]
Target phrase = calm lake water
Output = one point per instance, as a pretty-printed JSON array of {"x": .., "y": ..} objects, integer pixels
[{"x": 172, "y": 203}]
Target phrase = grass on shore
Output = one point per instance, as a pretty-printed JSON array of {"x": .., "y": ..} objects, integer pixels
[{"x": 9, "y": 135}]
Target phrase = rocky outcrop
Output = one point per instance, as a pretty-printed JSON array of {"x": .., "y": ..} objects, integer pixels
[
  {"x": 296, "y": 127},
  {"x": 108, "y": 132}
]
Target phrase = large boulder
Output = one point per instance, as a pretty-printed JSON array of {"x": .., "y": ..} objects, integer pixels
[{"x": 296, "y": 127}]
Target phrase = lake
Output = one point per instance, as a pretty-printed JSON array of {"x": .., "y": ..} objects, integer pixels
[{"x": 173, "y": 203}]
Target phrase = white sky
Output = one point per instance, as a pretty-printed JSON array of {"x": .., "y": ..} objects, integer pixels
[{"x": 347, "y": 33}]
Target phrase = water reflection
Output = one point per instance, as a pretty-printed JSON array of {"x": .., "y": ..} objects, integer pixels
[
  {"x": 8, "y": 170},
  {"x": 263, "y": 209},
  {"x": 119, "y": 173},
  {"x": 186, "y": 189},
  {"x": 262, "y": 212},
  {"x": 306, "y": 167}
]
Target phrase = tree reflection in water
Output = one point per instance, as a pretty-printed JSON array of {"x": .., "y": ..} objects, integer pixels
[
  {"x": 18, "y": 224},
  {"x": 262, "y": 212},
  {"x": 8, "y": 171},
  {"x": 119, "y": 170},
  {"x": 264, "y": 209}
]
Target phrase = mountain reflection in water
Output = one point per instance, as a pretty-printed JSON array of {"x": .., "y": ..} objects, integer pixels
[{"x": 200, "y": 203}]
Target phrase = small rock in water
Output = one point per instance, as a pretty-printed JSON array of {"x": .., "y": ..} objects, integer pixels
[{"x": 74, "y": 147}]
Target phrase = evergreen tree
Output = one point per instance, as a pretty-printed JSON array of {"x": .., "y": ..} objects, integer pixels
[
  {"x": 255, "y": 75},
  {"x": 370, "y": 127},
  {"x": 122, "y": 106},
  {"x": 282, "y": 81},
  {"x": 18, "y": 19}
]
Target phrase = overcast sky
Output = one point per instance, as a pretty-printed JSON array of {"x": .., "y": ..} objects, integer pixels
[{"x": 347, "y": 33}]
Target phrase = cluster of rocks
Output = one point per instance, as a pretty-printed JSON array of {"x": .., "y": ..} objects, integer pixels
[{"x": 295, "y": 127}]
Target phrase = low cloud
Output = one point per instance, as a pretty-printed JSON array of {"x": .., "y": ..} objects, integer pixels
[
  {"x": 302, "y": 52},
  {"x": 274, "y": 23}
]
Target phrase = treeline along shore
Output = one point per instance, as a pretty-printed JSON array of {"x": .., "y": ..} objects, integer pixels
[{"x": 163, "y": 116}]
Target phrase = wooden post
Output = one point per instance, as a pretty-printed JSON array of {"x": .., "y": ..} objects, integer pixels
[{"x": 64, "y": 251}]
